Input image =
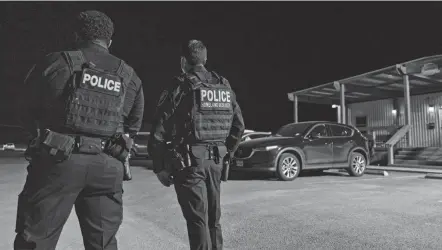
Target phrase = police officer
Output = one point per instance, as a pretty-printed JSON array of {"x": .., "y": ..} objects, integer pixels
[
  {"x": 202, "y": 122},
  {"x": 82, "y": 102}
]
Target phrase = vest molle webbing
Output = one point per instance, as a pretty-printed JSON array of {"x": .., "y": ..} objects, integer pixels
[
  {"x": 212, "y": 112},
  {"x": 97, "y": 97}
]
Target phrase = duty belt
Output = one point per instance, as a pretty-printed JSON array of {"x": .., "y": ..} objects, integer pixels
[
  {"x": 82, "y": 141},
  {"x": 212, "y": 149}
]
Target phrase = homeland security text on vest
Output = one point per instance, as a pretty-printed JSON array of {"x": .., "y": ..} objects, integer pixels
[
  {"x": 215, "y": 98},
  {"x": 97, "y": 81}
]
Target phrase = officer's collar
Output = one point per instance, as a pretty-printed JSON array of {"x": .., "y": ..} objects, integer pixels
[
  {"x": 198, "y": 68},
  {"x": 92, "y": 45}
]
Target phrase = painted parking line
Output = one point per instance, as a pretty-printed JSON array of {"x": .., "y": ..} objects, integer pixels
[{"x": 368, "y": 179}]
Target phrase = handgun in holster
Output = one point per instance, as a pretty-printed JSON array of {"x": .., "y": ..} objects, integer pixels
[
  {"x": 119, "y": 146},
  {"x": 127, "y": 174},
  {"x": 227, "y": 160},
  {"x": 214, "y": 155},
  {"x": 226, "y": 167},
  {"x": 177, "y": 157}
]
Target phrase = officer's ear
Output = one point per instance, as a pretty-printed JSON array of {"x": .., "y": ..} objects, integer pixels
[
  {"x": 109, "y": 43},
  {"x": 183, "y": 64}
]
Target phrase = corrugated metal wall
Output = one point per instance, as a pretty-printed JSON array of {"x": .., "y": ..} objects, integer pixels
[{"x": 379, "y": 113}]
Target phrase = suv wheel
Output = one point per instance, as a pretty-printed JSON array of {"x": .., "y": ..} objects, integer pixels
[
  {"x": 288, "y": 167},
  {"x": 357, "y": 164}
]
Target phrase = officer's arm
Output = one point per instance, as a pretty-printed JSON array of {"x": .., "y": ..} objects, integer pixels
[
  {"x": 134, "y": 101},
  {"x": 30, "y": 105},
  {"x": 237, "y": 128},
  {"x": 166, "y": 107},
  {"x": 43, "y": 75}
]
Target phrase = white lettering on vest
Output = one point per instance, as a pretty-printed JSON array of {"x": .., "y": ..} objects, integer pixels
[
  {"x": 94, "y": 81},
  {"x": 215, "y": 95},
  {"x": 86, "y": 78},
  {"x": 203, "y": 94},
  {"x": 108, "y": 84},
  {"x": 100, "y": 84},
  {"x": 209, "y": 95},
  {"x": 117, "y": 86}
]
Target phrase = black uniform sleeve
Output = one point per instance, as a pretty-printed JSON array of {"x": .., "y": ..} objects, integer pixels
[
  {"x": 40, "y": 87},
  {"x": 135, "y": 104},
  {"x": 30, "y": 107},
  {"x": 166, "y": 107},
  {"x": 237, "y": 128}
]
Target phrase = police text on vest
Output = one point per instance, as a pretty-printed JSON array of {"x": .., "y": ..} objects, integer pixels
[
  {"x": 208, "y": 95},
  {"x": 215, "y": 99},
  {"x": 101, "y": 82}
]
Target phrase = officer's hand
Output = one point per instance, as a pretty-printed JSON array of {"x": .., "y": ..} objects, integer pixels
[
  {"x": 228, "y": 157},
  {"x": 164, "y": 178}
]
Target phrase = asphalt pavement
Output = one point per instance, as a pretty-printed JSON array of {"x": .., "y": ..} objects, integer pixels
[{"x": 316, "y": 211}]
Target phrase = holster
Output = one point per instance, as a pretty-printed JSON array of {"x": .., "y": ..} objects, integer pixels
[
  {"x": 176, "y": 158},
  {"x": 214, "y": 155},
  {"x": 127, "y": 176},
  {"x": 118, "y": 146},
  {"x": 226, "y": 167}
]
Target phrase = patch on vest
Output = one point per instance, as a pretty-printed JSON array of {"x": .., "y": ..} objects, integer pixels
[
  {"x": 101, "y": 82},
  {"x": 215, "y": 99}
]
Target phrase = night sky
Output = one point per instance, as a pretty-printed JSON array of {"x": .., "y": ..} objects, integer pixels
[{"x": 265, "y": 49}]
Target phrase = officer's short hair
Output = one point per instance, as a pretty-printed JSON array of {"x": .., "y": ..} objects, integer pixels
[
  {"x": 94, "y": 25},
  {"x": 195, "y": 52}
]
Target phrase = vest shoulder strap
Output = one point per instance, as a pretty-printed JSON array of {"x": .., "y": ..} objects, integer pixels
[
  {"x": 194, "y": 81},
  {"x": 125, "y": 71},
  {"x": 221, "y": 79},
  {"x": 75, "y": 60}
]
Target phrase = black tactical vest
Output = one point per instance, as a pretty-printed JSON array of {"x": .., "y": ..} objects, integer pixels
[
  {"x": 212, "y": 111},
  {"x": 96, "y": 97}
]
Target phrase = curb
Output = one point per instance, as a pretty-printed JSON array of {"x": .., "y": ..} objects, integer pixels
[
  {"x": 370, "y": 171},
  {"x": 376, "y": 172},
  {"x": 406, "y": 169},
  {"x": 434, "y": 176}
]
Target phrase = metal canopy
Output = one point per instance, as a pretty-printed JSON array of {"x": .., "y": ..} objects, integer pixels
[{"x": 379, "y": 84}]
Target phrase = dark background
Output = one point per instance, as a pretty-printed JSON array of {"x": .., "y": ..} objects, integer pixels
[{"x": 265, "y": 49}]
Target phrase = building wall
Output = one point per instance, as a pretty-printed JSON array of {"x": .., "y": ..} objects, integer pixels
[{"x": 379, "y": 113}]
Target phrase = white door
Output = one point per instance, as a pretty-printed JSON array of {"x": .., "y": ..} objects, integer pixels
[{"x": 438, "y": 126}]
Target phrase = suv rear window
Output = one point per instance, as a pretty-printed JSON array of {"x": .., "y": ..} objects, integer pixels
[{"x": 340, "y": 130}]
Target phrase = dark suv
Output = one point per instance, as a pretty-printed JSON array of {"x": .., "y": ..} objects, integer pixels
[
  {"x": 139, "y": 149},
  {"x": 305, "y": 145}
]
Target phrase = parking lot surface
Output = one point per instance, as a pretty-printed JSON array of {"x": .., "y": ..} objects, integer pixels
[{"x": 316, "y": 211}]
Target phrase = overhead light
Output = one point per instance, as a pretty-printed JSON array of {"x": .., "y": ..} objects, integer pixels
[
  {"x": 337, "y": 86},
  {"x": 291, "y": 96},
  {"x": 335, "y": 106},
  {"x": 430, "y": 69},
  {"x": 431, "y": 108},
  {"x": 394, "y": 111},
  {"x": 427, "y": 69}
]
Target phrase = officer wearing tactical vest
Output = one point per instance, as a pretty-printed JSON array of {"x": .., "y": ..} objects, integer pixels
[
  {"x": 198, "y": 124},
  {"x": 86, "y": 104}
]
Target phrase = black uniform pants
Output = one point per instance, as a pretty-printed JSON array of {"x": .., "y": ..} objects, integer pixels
[
  {"x": 93, "y": 183},
  {"x": 198, "y": 189}
]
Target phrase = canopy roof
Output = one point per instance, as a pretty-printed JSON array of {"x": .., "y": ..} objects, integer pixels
[{"x": 379, "y": 84}]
